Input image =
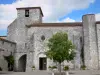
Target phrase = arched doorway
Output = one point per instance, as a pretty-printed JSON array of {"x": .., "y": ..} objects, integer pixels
[{"x": 22, "y": 63}]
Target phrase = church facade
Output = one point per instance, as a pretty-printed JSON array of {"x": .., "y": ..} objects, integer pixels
[{"x": 31, "y": 36}]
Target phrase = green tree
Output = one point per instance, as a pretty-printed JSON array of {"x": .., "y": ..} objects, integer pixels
[
  {"x": 60, "y": 48},
  {"x": 10, "y": 60}
]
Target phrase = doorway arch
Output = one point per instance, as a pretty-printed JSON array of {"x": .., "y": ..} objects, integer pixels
[{"x": 22, "y": 63}]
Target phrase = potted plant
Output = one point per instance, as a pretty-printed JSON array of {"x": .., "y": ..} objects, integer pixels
[
  {"x": 50, "y": 68},
  {"x": 66, "y": 68},
  {"x": 33, "y": 67},
  {"x": 83, "y": 67},
  {"x": 54, "y": 68}
]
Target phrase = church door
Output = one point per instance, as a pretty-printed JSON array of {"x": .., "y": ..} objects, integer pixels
[{"x": 42, "y": 63}]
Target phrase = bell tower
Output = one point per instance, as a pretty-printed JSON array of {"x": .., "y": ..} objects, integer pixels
[{"x": 29, "y": 15}]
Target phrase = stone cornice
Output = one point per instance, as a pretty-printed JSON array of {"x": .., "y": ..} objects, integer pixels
[{"x": 72, "y": 24}]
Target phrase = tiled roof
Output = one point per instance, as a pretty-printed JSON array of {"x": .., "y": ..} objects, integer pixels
[{"x": 2, "y": 39}]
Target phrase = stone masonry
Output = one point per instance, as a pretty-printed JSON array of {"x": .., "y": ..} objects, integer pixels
[{"x": 6, "y": 48}]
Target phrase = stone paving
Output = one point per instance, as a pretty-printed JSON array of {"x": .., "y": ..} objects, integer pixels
[{"x": 87, "y": 72}]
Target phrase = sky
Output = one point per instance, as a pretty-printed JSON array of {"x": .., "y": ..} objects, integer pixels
[{"x": 53, "y": 10}]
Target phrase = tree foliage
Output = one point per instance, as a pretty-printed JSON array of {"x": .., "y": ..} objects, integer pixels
[
  {"x": 60, "y": 48},
  {"x": 9, "y": 59}
]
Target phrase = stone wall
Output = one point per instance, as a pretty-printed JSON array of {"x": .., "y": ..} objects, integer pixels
[
  {"x": 11, "y": 31},
  {"x": 38, "y": 45},
  {"x": 90, "y": 42},
  {"x": 6, "y": 48},
  {"x": 98, "y": 42},
  {"x": 34, "y": 16}
]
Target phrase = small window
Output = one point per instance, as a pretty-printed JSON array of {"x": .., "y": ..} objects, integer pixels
[{"x": 26, "y": 13}]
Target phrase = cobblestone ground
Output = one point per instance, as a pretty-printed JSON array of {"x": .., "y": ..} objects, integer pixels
[{"x": 87, "y": 72}]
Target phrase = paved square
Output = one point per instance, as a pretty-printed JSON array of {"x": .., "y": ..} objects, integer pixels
[{"x": 87, "y": 72}]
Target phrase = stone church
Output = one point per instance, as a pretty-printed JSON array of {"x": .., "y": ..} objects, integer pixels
[{"x": 28, "y": 37}]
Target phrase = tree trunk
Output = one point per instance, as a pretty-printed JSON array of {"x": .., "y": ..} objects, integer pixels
[
  {"x": 59, "y": 68},
  {"x": 67, "y": 73}
]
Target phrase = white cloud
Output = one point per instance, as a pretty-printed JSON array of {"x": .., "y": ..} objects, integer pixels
[
  {"x": 66, "y": 20},
  {"x": 97, "y": 16},
  {"x": 4, "y": 23},
  {"x": 52, "y": 9}
]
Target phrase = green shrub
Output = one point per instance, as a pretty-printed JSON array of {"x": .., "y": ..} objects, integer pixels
[
  {"x": 33, "y": 66},
  {"x": 50, "y": 67},
  {"x": 9, "y": 59},
  {"x": 54, "y": 67},
  {"x": 83, "y": 67},
  {"x": 66, "y": 68}
]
